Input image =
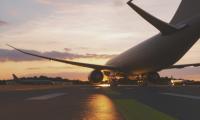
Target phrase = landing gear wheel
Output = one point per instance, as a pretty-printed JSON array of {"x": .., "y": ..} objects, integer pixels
[
  {"x": 114, "y": 83},
  {"x": 142, "y": 83}
]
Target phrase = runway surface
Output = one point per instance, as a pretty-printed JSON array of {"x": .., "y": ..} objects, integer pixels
[{"x": 101, "y": 103}]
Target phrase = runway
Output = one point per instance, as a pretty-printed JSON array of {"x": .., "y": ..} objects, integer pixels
[{"x": 101, "y": 103}]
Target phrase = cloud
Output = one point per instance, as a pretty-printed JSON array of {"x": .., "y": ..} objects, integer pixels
[
  {"x": 67, "y": 49},
  {"x": 100, "y": 56},
  {"x": 2, "y": 23},
  {"x": 191, "y": 73},
  {"x": 56, "y": 2},
  {"x": 69, "y": 75},
  {"x": 48, "y": 67},
  {"x": 77, "y": 5},
  {"x": 118, "y": 3},
  {"x": 13, "y": 55},
  {"x": 64, "y": 3}
]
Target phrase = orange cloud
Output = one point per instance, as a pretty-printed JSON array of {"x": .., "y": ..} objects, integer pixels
[{"x": 3, "y": 23}]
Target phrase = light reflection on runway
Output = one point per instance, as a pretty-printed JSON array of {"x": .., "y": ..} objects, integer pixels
[{"x": 100, "y": 107}]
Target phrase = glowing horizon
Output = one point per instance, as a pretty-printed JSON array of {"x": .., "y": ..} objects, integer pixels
[{"x": 90, "y": 31}]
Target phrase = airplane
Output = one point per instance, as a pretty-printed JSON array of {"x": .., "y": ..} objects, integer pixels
[
  {"x": 157, "y": 53},
  {"x": 31, "y": 81}
]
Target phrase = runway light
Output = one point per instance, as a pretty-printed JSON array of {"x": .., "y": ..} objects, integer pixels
[
  {"x": 104, "y": 85},
  {"x": 172, "y": 82}
]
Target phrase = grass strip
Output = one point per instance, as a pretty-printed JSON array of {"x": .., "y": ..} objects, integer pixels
[{"x": 134, "y": 110}]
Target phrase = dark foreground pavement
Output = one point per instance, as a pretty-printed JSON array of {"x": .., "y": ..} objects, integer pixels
[{"x": 101, "y": 103}]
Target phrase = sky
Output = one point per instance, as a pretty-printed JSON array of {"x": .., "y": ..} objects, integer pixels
[{"x": 90, "y": 31}]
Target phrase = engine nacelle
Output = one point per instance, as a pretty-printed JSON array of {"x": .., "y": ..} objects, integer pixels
[
  {"x": 96, "y": 76},
  {"x": 153, "y": 77}
]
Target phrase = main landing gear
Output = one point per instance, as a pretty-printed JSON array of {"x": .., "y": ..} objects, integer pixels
[
  {"x": 113, "y": 83},
  {"x": 143, "y": 80},
  {"x": 148, "y": 79}
]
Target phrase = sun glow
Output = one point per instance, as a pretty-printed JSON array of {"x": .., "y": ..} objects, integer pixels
[
  {"x": 100, "y": 107},
  {"x": 45, "y": 67},
  {"x": 104, "y": 85}
]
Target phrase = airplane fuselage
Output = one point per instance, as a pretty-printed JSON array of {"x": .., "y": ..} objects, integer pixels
[{"x": 160, "y": 51}]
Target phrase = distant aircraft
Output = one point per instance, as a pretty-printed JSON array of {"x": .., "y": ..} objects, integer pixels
[
  {"x": 31, "y": 81},
  {"x": 15, "y": 77},
  {"x": 157, "y": 53}
]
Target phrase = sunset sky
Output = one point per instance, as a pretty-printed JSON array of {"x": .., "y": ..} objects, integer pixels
[{"x": 80, "y": 30}]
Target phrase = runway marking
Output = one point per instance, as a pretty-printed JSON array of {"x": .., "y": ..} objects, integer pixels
[
  {"x": 182, "y": 95},
  {"x": 47, "y": 96}
]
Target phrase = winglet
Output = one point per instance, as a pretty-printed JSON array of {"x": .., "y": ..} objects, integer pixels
[
  {"x": 10, "y": 46},
  {"x": 162, "y": 26},
  {"x": 15, "y": 77},
  {"x": 15, "y": 48},
  {"x": 129, "y": 1}
]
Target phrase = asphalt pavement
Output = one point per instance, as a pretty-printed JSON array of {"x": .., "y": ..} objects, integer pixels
[{"x": 101, "y": 103}]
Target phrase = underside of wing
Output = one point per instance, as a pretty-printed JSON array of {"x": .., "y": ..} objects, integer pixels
[
  {"x": 183, "y": 66},
  {"x": 187, "y": 9},
  {"x": 93, "y": 66}
]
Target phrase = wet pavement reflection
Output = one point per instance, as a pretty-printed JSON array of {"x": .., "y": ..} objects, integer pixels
[{"x": 100, "y": 107}]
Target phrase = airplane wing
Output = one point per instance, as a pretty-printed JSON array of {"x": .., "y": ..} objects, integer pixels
[
  {"x": 183, "y": 66},
  {"x": 187, "y": 9},
  {"x": 93, "y": 66}
]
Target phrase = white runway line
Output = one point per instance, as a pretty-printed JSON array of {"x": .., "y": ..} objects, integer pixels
[
  {"x": 182, "y": 95},
  {"x": 46, "y": 97}
]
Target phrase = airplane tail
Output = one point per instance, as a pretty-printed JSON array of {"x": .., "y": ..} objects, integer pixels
[
  {"x": 162, "y": 26},
  {"x": 15, "y": 77},
  {"x": 187, "y": 9}
]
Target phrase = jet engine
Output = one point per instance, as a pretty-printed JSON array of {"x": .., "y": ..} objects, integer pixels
[
  {"x": 153, "y": 77},
  {"x": 96, "y": 76}
]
